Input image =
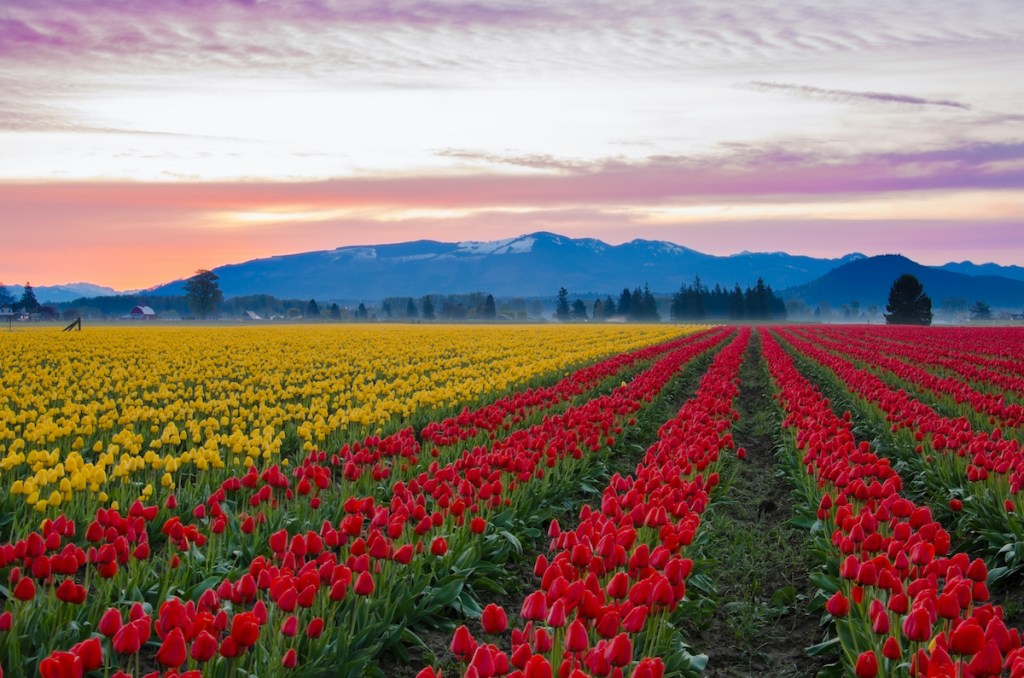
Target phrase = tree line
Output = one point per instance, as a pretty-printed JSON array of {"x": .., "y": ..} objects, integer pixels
[
  {"x": 696, "y": 301},
  {"x": 638, "y": 304}
]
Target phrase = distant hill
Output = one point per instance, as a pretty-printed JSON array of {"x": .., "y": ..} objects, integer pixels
[
  {"x": 970, "y": 268},
  {"x": 531, "y": 265},
  {"x": 869, "y": 280},
  {"x": 55, "y": 294}
]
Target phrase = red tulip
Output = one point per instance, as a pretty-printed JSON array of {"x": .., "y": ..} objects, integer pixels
[
  {"x": 608, "y": 624},
  {"x": 90, "y": 652},
  {"x": 278, "y": 541},
  {"x": 867, "y": 665},
  {"x": 25, "y": 589},
  {"x": 245, "y": 630},
  {"x": 315, "y": 627},
  {"x": 61, "y": 665},
  {"x": 439, "y": 546},
  {"x": 494, "y": 619},
  {"x": 173, "y": 652},
  {"x": 203, "y": 647},
  {"x": 229, "y": 648},
  {"x": 537, "y": 667},
  {"x": 127, "y": 640},
  {"x": 307, "y": 596},
  {"x": 968, "y": 638},
  {"x": 6, "y": 622},
  {"x": 463, "y": 645},
  {"x": 364, "y": 585},
  {"x": 635, "y": 620},
  {"x": 291, "y": 626},
  {"x": 917, "y": 626},
  {"x": 557, "y": 615},
  {"x": 482, "y": 662},
  {"x": 576, "y": 638},
  {"x": 403, "y": 555},
  {"x": 290, "y": 658},
  {"x": 649, "y": 668},
  {"x": 838, "y": 605},
  {"x": 619, "y": 651},
  {"x": 542, "y": 641},
  {"x": 535, "y": 607},
  {"x": 70, "y": 592},
  {"x": 618, "y": 587},
  {"x": 110, "y": 623},
  {"x": 987, "y": 662}
]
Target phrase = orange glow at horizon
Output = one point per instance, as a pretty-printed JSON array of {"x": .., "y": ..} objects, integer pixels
[{"x": 135, "y": 236}]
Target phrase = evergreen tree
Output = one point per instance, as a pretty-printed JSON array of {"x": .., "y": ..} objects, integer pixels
[
  {"x": 312, "y": 310},
  {"x": 562, "y": 307},
  {"x": 650, "y": 305},
  {"x": 490, "y": 310},
  {"x": 385, "y": 309},
  {"x": 579, "y": 310},
  {"x": 335, "y": 312},
  {"x": 757, "y": 301},
  {"x": 625, "y": 305},
  {"x": 362, "y": 313},
  {"x": 737, "y": 303},
  {"x": 410, "y": 309},
  {"x": 6, "y": 298},
  {"x": 598, "y": 309},
  {"x": 427, "y": 308},
  {"x": 699, "y": 305},
  {"x": 908, "y": 304},
  {"x": 29, "y": 303},
  {"x": 608, "y": 307}
]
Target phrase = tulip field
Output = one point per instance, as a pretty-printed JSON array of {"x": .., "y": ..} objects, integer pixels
[{"x": 523, "y": 501}]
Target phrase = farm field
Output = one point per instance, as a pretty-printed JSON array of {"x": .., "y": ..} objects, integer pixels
[{"x": 579, "y": 500}]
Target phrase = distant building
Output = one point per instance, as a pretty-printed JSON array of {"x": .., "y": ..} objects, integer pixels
[
  {"x": 140, "y": 313},
  {"x": 6, "y": 312},
  {"x": 250, "y": 315}
]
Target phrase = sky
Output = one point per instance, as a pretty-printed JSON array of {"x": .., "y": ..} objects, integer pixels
[{"x": 140, "y": 141}]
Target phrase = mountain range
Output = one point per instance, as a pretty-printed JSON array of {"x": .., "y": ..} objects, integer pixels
[
  {"x": 538, "y": 264},
  {"x": 56, "y": 294},
  {"x": 532, "y": 265}
]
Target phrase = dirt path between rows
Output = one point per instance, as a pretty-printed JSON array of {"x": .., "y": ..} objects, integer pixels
[{"x": 760, "y": 563}]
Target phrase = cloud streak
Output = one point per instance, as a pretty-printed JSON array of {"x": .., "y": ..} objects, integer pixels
[
  {"x": 850, "y": 96},
  {"x": 746, "y": 175}
]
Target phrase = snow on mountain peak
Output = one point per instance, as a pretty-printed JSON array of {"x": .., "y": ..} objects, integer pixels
[{"x": 520, "y": 245}]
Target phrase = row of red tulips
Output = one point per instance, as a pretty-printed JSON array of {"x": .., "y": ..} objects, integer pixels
[
  {"x": 367, "y": 578},
  {"x": 610, "y": 586},
  {"x": 902, "y": 603},
  {"x": 514, "y": 408},
  {"x": 979, "y": 473},
  {"x": 984, "y": 454},
  {"x": 936, "y": 352},
  {"x": 994, "y": 347},
  {"x": 860, "y": 347}
]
